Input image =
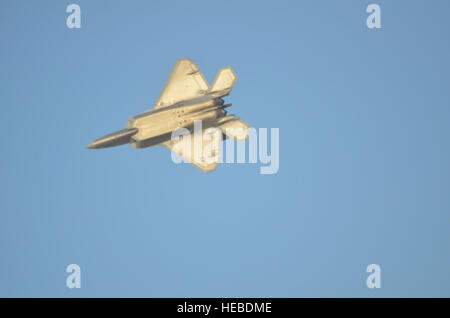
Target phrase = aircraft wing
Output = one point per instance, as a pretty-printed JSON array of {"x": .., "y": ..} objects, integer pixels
[
  {"x": 186, "y": 150},
  {"x": 185, "y": 82}
]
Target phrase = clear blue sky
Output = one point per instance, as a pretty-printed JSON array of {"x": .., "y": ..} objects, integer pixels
[{"x": 364, "y": 119}]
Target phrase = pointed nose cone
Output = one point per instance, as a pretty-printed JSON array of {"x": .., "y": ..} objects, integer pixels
[
  {"x": 93, "y": 145},
  {"x": 115, "y": 139}
]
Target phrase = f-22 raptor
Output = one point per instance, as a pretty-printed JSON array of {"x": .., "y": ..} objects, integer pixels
[{"x": 186, "y": 98}]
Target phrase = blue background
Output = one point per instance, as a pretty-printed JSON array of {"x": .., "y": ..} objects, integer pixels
[{"x": 364, "y": 150}]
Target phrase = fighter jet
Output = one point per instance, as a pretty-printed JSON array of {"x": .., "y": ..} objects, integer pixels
[{"x": 185, "y": 99}]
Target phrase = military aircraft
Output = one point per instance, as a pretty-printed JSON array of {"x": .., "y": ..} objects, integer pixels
[{"x": 185, "y": 99}]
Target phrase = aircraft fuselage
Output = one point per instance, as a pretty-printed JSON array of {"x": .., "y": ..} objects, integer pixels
[{"x": 155, "y": 126}]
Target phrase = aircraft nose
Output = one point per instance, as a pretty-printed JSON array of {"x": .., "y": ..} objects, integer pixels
[
  {"x": 93, "y": 145},
  {"x": 115, "y": 139}
]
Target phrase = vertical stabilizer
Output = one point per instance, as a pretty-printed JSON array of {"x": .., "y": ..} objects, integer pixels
[{"x": 224, "y": 81}]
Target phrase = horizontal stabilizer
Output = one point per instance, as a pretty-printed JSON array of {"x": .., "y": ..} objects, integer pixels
[{"x": 235, "y": 127}]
